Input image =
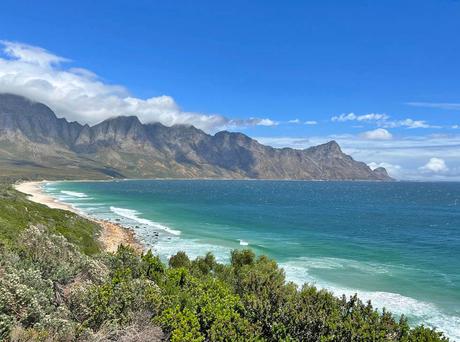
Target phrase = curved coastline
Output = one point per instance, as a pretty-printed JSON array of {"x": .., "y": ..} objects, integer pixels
[{"x": 111, "y": 235}]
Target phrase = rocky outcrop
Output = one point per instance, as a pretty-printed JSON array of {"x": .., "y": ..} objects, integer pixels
[
  {"x": 129, "y": 148},
  {"x": 381, "y": 172}
]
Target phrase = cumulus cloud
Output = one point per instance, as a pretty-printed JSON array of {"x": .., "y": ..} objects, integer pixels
[
  {"x": 295, "y": 121},
  {"x": 408, "y": 123},
  {"x": 263, "y": 122},
  {"x": 364, "y": 117},
  {"x": 382, "y": 120},
  {"x": 377, "y": 134},
  {"x": 435, "y": 165},
  {"x": 79, "y": 94}
]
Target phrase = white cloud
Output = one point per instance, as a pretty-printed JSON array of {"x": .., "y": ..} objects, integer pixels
[
  {"x": 377, "y": 134},
  {"x": 241, "y": 123},
  {"x": 31, "y": 54},
  {"x": 455, "y": 126},
  {"x": 440, "y": 105},
  {"x": 308, "y": 122},
  {"x": 264, "y": 122},
  {"x": 435, "y": 165},
  {"x": 408, "y": 123},
  {"x": 79, "y": 94},
  {"x": 382, "y": 120},
  {"x": 364, "y": 117}
]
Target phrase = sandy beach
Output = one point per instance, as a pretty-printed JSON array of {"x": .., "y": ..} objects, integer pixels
[
  {"x": 112, "y": 234},
  {"x": 35, "y": 194}
]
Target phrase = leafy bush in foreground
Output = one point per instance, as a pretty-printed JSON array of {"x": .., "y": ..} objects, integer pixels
[
  {"x": 247, "y": 300},
  {"x": 36, "y": 280}
]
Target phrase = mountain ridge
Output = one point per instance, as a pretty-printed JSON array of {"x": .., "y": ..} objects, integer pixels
[{"x": 30, "y": 132}]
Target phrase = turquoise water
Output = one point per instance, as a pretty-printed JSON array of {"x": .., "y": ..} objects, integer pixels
[{"x": 397, "y": 244}]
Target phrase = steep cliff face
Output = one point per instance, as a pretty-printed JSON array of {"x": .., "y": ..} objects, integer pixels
[
  {"x": 35, "y": 121},
  {"x": 31, "y": 132}
]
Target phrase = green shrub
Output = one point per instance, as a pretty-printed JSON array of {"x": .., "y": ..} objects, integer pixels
[
  {"x": 423, "y": 334},
  {"x": 180, "y": 259},
  {"x": 182, "y": 325},
  {"x": 204, "y": 265},
  {"x": 239, "y": 258}
]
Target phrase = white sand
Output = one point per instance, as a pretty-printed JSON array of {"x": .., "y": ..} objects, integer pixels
[{"x": 36, "y": 194}]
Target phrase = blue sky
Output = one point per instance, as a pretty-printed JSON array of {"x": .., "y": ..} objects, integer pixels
[{"x": 380, "y": 77}]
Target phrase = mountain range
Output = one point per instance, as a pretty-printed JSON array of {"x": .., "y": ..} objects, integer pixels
[{"x": 34, "y": 142}]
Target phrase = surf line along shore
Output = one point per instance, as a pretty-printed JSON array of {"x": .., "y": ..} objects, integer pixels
[{"x": 112, "y": 234}]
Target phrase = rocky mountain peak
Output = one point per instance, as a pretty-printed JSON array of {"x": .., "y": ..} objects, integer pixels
[
  {"x": 129, "y": 148},
  {"x": 381, "y": 173},
  {"x": 19, "y": 105},
  {"x": 122, "y": 120},
  {"x": 331, "y": 146}
]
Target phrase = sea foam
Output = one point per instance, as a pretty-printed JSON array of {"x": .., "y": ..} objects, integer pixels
[
  {"x": 166, "y": 247},
  {"x": 74, "y": 194},
  {"x": 134, "y": 216}
]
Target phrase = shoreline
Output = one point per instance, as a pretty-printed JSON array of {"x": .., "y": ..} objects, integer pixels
[{"x": 111, "y": 235}]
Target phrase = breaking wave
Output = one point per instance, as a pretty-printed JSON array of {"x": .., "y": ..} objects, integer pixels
[
  {"x": 134, "y": 216},
  {"x": 74, "y": 194}
]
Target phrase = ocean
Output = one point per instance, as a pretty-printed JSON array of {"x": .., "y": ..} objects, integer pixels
[{"x": 396, "y": 244}]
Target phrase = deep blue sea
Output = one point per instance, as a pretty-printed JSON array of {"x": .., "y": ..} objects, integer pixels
[{"x": 397, "y": 244}]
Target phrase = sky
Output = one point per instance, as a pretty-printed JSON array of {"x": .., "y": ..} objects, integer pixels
[{"x": 382, "y": 78}]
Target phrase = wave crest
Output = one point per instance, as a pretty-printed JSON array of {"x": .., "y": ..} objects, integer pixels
[
  {"x": 134, "y": 216},
  {"x": 74, "y": 194}
]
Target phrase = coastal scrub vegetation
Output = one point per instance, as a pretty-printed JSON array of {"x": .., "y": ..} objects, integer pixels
[
  {"x": 56, "y": 285},
  {"x": 17, "y": 213}
]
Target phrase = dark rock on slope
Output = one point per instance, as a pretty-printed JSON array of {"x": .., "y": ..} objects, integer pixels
[{"x": 122, "y": 146}]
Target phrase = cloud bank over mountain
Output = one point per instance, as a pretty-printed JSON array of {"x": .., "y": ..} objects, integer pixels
[{"x": 80, "y": 95}]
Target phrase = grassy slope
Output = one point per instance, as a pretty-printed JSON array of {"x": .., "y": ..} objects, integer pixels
[{"x": 17, "y": 213}]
